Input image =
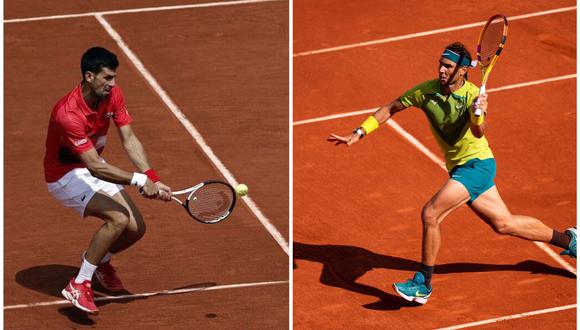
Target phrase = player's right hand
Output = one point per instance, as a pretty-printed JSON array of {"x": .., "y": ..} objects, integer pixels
[
  {"x": 348, "y": 139},
  {"x": 164, "y": 192},
  {"x": 149, "y": 190}
]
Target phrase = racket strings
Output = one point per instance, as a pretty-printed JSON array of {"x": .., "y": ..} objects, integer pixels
[
  {"x": 491, "y": 40},
  {"x": 211, "y": 202}
]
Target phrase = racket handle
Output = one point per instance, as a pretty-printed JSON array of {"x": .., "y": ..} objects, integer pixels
[{"x": 477, "y": 111}]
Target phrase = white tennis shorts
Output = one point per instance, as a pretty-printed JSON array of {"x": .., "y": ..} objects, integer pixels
[{"x": 76, "y": 188}]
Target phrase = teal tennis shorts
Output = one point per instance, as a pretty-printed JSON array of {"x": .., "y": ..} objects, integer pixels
[{"x": 476, "y": 176}]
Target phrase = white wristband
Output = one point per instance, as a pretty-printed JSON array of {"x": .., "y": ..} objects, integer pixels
[{"x": 138, "y": 179}]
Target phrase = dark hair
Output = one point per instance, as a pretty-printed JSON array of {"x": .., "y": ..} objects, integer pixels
[
  {"x": 460, "y": 49},
  {"x": 97, "y": 58}
]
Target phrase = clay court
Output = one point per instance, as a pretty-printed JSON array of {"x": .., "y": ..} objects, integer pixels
[
  {"x": 356, "y": 211},
  {"x": 221, "y": 67}
]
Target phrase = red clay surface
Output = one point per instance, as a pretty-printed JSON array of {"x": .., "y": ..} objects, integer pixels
[
  {"x": 227, "y": 69},
  {"x": 357, "y": 210}
]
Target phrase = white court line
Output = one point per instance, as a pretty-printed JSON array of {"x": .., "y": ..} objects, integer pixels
[
  {"x": 510, "y": 317},
  {"x": 149, "y": 294},
  {"x": 440, "y": 162},
  {"x": 428, "y": 33},
  {"x": 135, "y": 10},
  {"x": 491, "y": 90},
  {"x": 417, "y": 144},
  {"x": 192, "y": 131}
]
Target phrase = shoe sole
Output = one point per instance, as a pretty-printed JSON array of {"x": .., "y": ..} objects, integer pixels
[
  {"x": 70, "y": 298},
  {"x": 420, "y": 300}
]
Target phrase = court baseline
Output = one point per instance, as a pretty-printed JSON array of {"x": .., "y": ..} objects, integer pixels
[
  {"x": 149, "y": 294},
  {"x": 427, "y": 33},
  {"x": 136, "y": 10},
  {"x": 510, "y": 317}
]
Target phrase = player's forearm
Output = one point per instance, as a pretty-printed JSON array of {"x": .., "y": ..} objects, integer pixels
[
  {"x": 383, "y": 114},
  {"x": 136, "y": 153},
  {"x": 110, "y": 173}
]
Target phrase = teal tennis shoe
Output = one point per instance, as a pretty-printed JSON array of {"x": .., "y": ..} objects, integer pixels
[
  {"x": 414, "y": 289},
  {"x": 572, "y": 246}
]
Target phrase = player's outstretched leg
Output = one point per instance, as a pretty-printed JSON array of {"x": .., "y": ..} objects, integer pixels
[{"x": 491, "y": 208}]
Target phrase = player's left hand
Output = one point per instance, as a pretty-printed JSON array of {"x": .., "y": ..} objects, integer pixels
[
  {"x": 347, "y": 139},
  {"x": 481, "y": 103},
  {"x": 164, "y": 191}
]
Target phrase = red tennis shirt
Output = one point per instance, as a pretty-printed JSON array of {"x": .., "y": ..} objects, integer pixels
[{"x": 75, "y": 128}]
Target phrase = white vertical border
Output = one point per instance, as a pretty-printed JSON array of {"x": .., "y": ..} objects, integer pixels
[
  {"x": 2, "y": 160},
  {"x": 290, "y": 163}
]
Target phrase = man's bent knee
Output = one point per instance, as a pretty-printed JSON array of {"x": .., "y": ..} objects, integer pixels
[
  {"x": 429, "y": 216},
  {"x": 118, "y": 219},
  {"x": 503, "y": 226}
]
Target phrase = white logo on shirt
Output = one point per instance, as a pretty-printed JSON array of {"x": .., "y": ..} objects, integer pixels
[
  {"x": 109, "y": 114},
  {"x": 79, "y": 142}
]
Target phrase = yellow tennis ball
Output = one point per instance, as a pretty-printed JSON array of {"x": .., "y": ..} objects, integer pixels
[{"x": 242, "y": 189}]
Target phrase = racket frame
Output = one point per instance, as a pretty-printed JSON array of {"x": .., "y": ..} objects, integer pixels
[
  {"x": 486, "y": 69},
  {"x": 192, "y": 190}
]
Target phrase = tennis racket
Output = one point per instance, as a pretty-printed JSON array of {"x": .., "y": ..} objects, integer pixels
[
  {"x": 208, "y": 202},
  {"x": 490, "y": 44}
]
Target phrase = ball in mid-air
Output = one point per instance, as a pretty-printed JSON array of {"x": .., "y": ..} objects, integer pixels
[{"x": 242, "y": 189}]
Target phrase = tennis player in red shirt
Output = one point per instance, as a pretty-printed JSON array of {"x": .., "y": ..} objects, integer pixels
[{"x": 78, "y": 177}]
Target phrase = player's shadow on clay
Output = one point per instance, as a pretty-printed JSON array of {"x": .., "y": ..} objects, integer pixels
[
  {"x": 343, "y": 265},
  {"x": 51, "y": 279}
]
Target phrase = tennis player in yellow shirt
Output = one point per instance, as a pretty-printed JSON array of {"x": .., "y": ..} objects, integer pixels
[{"x": 449, "y": 103}]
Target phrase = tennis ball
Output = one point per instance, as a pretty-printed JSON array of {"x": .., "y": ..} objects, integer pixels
[{"x": 242, "y": 189}]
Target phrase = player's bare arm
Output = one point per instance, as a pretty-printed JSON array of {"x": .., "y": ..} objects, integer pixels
[
  {"x": 481, "y": 103},
  {"x": 138, "y": 157},
  {"x": 381, "y": 116}
]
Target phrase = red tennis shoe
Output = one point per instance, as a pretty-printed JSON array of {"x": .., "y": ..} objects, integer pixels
[
  {"x": 108, "y": 279},
  {"x": 81, "y": 295}
]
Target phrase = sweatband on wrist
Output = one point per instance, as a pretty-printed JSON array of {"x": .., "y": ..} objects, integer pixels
[
  {"x": 138, "y": 179},
  {"x": 152, "y": 175},
  {"x": 476, "y": 120},
  {"x": 370, "y": 124}
]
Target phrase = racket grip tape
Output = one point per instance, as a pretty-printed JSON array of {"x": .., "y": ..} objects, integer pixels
[{"x": 477, "y": 111}]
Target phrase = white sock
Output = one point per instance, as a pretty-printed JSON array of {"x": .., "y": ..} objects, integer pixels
[
  {"x": 107, "y": 257},
  {"x": 86, "y": 272}
]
